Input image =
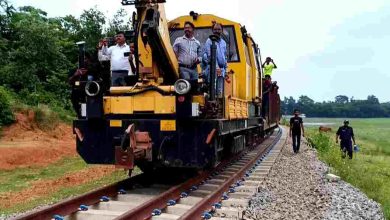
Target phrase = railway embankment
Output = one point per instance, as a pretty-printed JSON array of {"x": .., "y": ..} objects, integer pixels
[{"x": 298, "y": 188}]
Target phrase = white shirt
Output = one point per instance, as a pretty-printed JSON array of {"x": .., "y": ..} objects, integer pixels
[{"x": 116, "y": 55}]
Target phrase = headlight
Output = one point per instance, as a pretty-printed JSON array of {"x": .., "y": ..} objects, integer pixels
[
  {"x": 182, "y": 87},
  {"x": 92, "y": 88}
]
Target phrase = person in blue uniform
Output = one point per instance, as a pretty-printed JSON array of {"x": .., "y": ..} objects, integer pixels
[{"x": 346, "y": 136}]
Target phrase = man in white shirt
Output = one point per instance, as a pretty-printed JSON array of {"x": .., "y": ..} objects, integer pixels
[{"x": 121, "y": 58}]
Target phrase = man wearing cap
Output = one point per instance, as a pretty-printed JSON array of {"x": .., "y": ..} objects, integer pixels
[
  {"x": 345, "y": 134},
  {"x": 296, "y": 125}
]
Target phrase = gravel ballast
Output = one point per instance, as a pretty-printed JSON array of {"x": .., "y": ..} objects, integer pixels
[{"x": 296, "y": 188}]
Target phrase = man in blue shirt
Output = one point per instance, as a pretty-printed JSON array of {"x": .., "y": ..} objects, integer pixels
[
  {"x": 221, "y": 58},
  {"x": 345, "y": 133}
]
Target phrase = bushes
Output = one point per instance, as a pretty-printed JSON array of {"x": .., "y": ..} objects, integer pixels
[
  {"x": 45, "y": 118},
  {"x": 6, "y": 115},
  {"x": 320, "y": 141},
  {"x": 284, "y": 122},
  {"x": 45, "y": 103}
]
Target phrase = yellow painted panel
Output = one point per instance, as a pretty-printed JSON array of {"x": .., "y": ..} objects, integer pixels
[
  {"x": 129, "y": 105},
  {"x": 116, "y": 123},
  {"x": 165, "y": 105},
  {"x": 237, "y": 108},
  {"x": 168, "y": 125},
  {"x": 121, "y": 105},
  {"x": 199, "y": 99},
  {"x": 234, "y": 85},
  {"x": 107, "y": 105},
  {"x": 143, "y": 104}
]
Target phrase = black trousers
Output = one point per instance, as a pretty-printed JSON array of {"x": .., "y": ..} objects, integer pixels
[
  {"x": 346, "y": 147},
  {"x": 296, "y": 139},
  {"x": 264, "y": 110},
  {"x": 118, "y": 77}
]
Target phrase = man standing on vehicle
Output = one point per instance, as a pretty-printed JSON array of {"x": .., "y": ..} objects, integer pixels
[
  {"x": 267, "y": 87},
  {"x": 87, "y": 73},
  {"x": 269, "y": 66},
  {"x": 345, "y": 134},
  {"x": 296, "y": 125},
  {"x": 221, "y": 58},
  {"x": 121, "y": 59},
  {"x": 188, "y": 53}
]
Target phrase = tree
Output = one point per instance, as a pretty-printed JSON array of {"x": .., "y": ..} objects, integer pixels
[
  {"x": 288, "y": 105},
  {"x": 35, "y": 57},
  {"x": 340, "y": 107},
  {"x": 305, "y": 104},
  {"x": 7, "y": 11},
  {"x": 92, "y": 22},
  {"x": 37, "y": 52},
  {"x": 305, "y": 101},
  {"x": 386, "y": 109},
  {"x": 372, "y": 99},
  {"x": 341, "y": 99},
  {"x": 6, "y": 115},
  {"x": 118, "y": 23}
]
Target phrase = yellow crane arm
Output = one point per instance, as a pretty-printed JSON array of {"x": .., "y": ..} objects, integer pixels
[{"x": 154, "y": 46}]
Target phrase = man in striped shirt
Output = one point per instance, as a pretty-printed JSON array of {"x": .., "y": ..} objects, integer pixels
[{"x": 188, "y": 52}]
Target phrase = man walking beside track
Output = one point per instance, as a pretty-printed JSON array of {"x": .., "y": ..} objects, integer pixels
[
  {"x": 296, "y": 125},
  {"x": 345, "y": 133}
]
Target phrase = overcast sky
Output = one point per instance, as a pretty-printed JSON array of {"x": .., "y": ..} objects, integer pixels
[{"x": 322, "y": 48}]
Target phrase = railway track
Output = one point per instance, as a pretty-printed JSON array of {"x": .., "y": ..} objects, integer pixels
[{"x": 221, "y": 193}]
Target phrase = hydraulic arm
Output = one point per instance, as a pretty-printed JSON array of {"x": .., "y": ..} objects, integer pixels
[{"x": 156, "y": 59}]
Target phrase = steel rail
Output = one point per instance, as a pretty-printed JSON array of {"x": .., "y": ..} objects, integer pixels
[
  {"x": 215, "y": 197},
  {"x": 71, "y": 205},
  {"x": 144, "y": 211}
]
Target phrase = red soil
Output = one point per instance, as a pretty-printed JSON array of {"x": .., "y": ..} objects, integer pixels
[
  {"x": 44, "y": 188},
  {"x": 23, "y": 144}
]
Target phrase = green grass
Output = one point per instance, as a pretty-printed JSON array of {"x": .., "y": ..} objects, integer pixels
[
  {"x": 21, "y": 178},
  {"x": 63, "y": 193},
  {"x": 370, "y": 168}
]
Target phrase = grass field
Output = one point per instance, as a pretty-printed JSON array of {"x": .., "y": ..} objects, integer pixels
[
  {"x": 19, "y": 180},
  {"x": 370, "y": 168}
]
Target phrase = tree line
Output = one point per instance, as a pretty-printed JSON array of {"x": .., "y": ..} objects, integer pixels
[
  {"x": 37, "y": 52},
  {"x": 342, "y": 106}
]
